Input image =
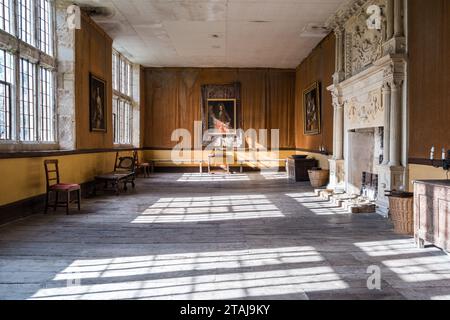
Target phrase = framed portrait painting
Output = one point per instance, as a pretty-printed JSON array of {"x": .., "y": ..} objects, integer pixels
[
  {"x": 97, "y": 104},
  {"x": 312, "y": 109},
  {"x": 221, "y": 118}
]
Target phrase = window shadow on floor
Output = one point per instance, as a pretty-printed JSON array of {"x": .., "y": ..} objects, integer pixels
[{"x": 172, "y": 241}]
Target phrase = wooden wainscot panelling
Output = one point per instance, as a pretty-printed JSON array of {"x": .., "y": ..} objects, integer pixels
[
  {"x": 93, "y": 54},
  {"x": 142, "y": 109},
  {"x": 317, "y": 67},
  {"x": 173, "y": 95},
  {"x": 428, "y": 76}
]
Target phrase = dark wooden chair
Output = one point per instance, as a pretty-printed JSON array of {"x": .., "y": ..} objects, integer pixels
[
  {"x": 145, "y": 167},
  {"x": 55, "y": 186},
  {"x": 124, "y": 173}
]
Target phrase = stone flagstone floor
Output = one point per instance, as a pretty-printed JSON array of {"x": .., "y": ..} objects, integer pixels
[{"x": 191, "y": 236}]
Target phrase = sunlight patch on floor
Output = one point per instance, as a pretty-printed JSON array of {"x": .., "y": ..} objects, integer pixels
[
  {"x": 145, "y": 265},
  {"x": 433, "y": 268},
  {"x": 203, "y": 275},
  {"x": 205, "y": 177},
  {"x": 445, "y": 297},
  {"x": 274, "y": 175},
  {"x": 391, "y": 247},
  {"x": 203, "y": 209},
  {"x": 317, "y": 205}
]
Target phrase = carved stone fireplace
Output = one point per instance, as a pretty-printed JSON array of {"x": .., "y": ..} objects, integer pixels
[{"x": 368, "y": 100}]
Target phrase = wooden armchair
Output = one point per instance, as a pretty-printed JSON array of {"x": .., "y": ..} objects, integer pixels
[
  {"x": 55, "y": 186},
  {"x": 126, "y": 165},
  {"x": 124, "y": 173}
]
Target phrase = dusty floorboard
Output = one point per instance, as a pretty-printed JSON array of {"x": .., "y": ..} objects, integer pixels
[{"x": 244, "y": 236}]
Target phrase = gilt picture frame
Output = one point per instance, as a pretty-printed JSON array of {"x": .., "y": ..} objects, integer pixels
[
  {"x": 312, "y": 110},
  {"x": 97, "y": 104}
]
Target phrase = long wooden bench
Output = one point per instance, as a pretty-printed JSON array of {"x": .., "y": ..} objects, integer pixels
[
  {"x": 242, "y": 162},
  {"x": 155, "y": 161},
  {"x": 200, "y": 163}
]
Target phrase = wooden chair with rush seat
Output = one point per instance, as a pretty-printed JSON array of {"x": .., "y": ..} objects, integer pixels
[{"x": 55, "y": 186}]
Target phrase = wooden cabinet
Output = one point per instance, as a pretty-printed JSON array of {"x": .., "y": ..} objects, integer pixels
[
  {"x": 298, "y": 168},
  {"x": 432, "y": 213}
]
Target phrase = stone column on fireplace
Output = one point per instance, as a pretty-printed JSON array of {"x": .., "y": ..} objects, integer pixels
[
  {"x": 398, "y": 19},
  {"x": 337, "y": 177},
  {"x": 339, "y": 74},
  {"x": 389, "y": 19},
  {"x": 395, "y": 124},
  {"x": 337, "y": 181},
  {"x": 338, "y": 147},
  {"x": 386, "y": 92},
  {"x": 392, "y": 172},
  {"x": 395, "y": 29}
]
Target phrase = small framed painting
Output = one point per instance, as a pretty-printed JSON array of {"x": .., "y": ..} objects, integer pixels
[
  {"x": 97, "y": 104},
  {"x": 312, "y": 109},
  {"x": 221, "y": 116}
]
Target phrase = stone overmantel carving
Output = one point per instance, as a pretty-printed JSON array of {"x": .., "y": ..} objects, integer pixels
[
  {"x": 361, "y": 96},
  {"x": 362, "y": 46},
  {"x": 388, "y": 68},
  {"x": 345, "y": 12},
  {"x": 367, "y": 113}
]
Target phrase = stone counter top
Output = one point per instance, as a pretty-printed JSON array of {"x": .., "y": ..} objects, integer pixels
[{"x": 441, "y": 183}]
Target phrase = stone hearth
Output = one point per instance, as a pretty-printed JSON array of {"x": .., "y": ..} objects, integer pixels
[{"x": 350, "y": 203}]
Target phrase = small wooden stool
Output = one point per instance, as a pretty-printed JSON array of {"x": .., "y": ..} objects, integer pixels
[{"x": 146, "y": 168}]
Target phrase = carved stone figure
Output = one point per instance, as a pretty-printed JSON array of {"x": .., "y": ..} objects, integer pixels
[
  {"x": 366, "y": 46},
  {"x": 367, "y": 110}
]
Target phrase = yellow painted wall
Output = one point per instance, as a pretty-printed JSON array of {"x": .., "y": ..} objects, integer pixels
[
  {"x": 419, "y": 172},
  {"x": 25, "y": 177}
]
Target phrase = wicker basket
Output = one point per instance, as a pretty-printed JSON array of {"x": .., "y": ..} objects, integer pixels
[
  {"x": 318, "y": 178},
  {"x": 402, "y": 214}
]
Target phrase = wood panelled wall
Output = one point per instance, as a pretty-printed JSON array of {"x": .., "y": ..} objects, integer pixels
[
  {"x": 429, "y": 76},
  {"x": 173, "y": 100},
  {"x": 142, "y": 105},
  {"x": 93, "y": 53},
  {"x": 318, "y": 66}
]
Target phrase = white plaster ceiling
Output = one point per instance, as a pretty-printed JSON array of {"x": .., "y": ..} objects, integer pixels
[{"x": 214, "y": 33}]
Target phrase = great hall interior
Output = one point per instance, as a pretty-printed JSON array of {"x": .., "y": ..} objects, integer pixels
[{"x": 224, "y": 149}]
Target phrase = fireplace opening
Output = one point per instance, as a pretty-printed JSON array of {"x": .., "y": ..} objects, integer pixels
[
  {"x": 369, "y": 189},
  {"x": 365, "y": 156}
]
